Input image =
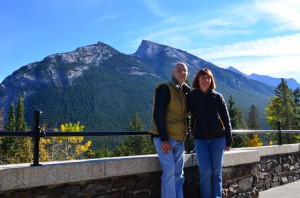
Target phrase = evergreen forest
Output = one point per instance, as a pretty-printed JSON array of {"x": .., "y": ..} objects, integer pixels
[{"x": 284, "y": 106}]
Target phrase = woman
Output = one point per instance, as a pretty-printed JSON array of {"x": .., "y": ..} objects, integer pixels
[{"x": 211, "y": 129}]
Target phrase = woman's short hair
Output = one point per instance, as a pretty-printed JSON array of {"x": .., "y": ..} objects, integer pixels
[{"x": 203, "y": 72}]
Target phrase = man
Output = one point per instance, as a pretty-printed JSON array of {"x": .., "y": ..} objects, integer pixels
[{"x": 169, "y": 127}]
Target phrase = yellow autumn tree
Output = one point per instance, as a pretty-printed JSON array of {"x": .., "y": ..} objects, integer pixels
[
  {"x": 65, "y": 148},
  {"x": 255, "y": 141}
]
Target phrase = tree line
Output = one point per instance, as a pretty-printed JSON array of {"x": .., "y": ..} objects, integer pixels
[{"x": 284, "y": 106}]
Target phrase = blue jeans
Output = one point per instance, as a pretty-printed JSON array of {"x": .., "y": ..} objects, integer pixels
[
  {"x": 172, "y": 178},
  {"x": 210, "y": 154}
]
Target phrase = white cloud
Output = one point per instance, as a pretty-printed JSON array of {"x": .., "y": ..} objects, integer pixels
[
  {"x": 236, "y": 20},
  {"x": 277, "y": 57},
  {"x": 154, "y": 7},
  {"x": 286, "y": 13},
  {"x": 192, "y": 27},
  {"x": 259, "y": 36},
  {"x": 277, "y": 46}
]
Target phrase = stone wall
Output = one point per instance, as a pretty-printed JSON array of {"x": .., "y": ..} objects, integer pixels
[
  {"x": 245, "y": 173},
  {"x": 248, "y": 179},
  {"x": 278, "y": 165},
  {"x": 143, "y": 185}
]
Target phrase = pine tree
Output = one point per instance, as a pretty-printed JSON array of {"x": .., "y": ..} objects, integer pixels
[
  {"x": 234, "y": 113},
  {"x": 1, "y": 119},
  {"x": 296, "y": 120},
  {"x": 253, "y": 118},
  {"x": 136, "y": 124},
  {"x": 296, "y": 93},
  {"x": 9, "y": 145},
  {"x": 240, "y": 120},
  {"x": 1, "y": 138},
  {"x": 136, "y": 144},
  {"x": 20, "y": 119},
  {"x": 283, "y": 107},
  {"x": 253, "y": 124},
  {"x": 24, "y": 144},
  {"x": 17, "y": 150},
  {"x": 11, "y": 119},
  {"x": 287, "y": 100}
]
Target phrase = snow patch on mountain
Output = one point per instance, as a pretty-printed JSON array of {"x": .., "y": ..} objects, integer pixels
[
  {"x": 92, "y": 54},
  {"x": 136, "y": 71},
  {"x": 52, "y": 71},
  {"x": 68, "y": 58},
  {"x": 77, "y": 72},
  {"x": 28, "y": 76},
  {"x": 171, "y": 52},
  {"x": 143, "y": 74}
]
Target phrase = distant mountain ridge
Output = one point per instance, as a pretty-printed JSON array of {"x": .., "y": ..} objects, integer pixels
[
  {"x": 292, "y": 83},
  {"x": 103, "y": 88}
]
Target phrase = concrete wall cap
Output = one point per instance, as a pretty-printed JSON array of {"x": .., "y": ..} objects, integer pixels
[{"x": 19, "y": 176}]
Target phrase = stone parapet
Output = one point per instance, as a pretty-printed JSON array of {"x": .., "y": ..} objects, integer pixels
[
  {"x": 246, "y": 170},
  {"x": 274, "y": 150},
  {"x": 238, "y": 157},
  {"x": 53, "y": 173}
]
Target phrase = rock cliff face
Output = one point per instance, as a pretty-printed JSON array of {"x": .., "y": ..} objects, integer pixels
[{"x": 103, "y": 88}]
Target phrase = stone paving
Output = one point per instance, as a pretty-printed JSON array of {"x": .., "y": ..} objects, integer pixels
[{"x": 291, "y": 190}]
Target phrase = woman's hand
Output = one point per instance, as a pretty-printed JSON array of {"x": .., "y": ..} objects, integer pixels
[
  {"x": 227, "y": 148},
  {"x": 166, "y": 147}
]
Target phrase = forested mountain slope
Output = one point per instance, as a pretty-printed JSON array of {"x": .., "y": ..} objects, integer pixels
[{"x": 103, "y": 88}]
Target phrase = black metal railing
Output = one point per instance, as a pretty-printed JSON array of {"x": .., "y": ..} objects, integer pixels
[{"x": 36, "y": 134}]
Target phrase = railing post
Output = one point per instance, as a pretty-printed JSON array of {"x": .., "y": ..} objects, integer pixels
[
  {"x": 279, "y": 132},
  {"x": 36, "y": 138}
]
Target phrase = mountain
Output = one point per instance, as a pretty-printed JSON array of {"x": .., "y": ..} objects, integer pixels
[
  {"x": 292, "y": 83},
  {"x": 96, "y": 85},
  {"x": 103, "y": 88},
  {"x": 237, "y": 71}
]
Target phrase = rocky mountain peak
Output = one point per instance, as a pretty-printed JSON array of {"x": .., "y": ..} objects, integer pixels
[
  {"x": 149, "y": 49},
  {"x": 89, "y": 55},
  {"x": 49, "y": 72}
]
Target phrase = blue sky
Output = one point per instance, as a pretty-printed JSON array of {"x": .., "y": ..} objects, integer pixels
[{"x": 254, "y": 36}]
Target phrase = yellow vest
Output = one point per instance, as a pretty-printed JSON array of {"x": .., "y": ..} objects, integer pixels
[{"x": 176, "y": 114}]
